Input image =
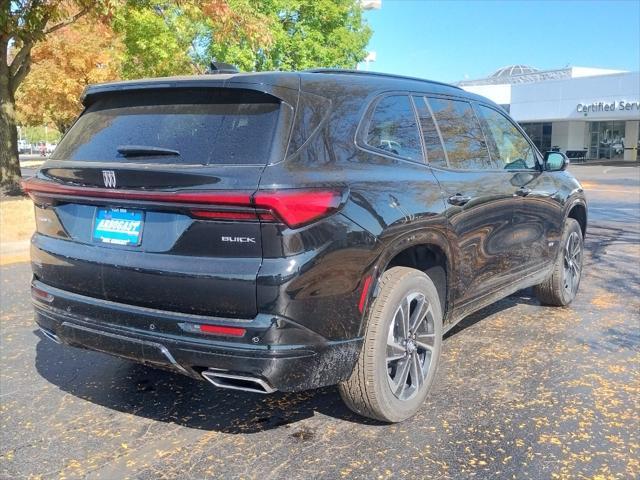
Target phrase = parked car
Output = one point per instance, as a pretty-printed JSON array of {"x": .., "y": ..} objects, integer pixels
[
  {"x": 612, "y": 149},
  {"x": 287, "y": 231},
  {"x": 23, "y": 147}
]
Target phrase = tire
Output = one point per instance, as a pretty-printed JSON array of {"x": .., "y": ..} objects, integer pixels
[
  {"x": 562, "y": 285},
  {"x": 376, "y": 388}
]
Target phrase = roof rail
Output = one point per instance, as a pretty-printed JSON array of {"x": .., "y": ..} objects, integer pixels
[{"x": 344, "y": 71}]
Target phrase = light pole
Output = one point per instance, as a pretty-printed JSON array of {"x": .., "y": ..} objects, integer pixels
[
  {"x": 371, "y": 57},
  {"x": 370, "y": 5}
]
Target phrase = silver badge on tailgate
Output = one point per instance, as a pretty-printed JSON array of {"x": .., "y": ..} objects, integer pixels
[
  {"x": 109, "y": 178},
  {"x": 238, "y": 239}
]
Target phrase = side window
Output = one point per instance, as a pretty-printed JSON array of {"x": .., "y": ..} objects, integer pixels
[
  {"x": 393, "y": 128},
  {"x": 509, "y": 148},
  {"x": 435, "y": 150},
  {"x": 461, "y": 134}
]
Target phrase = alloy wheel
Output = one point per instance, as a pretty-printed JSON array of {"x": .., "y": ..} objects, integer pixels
[
  {"x": 410, "y": 345},
  {"x": 572, "y": 263}
]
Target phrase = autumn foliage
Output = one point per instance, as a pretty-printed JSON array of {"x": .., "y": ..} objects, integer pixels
[
  {"x": 63, "y": 65},
  {"x": 51, "y": 50}
]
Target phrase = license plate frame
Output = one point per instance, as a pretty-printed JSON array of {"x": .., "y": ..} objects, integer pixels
[{"x": 118, "y": 226}]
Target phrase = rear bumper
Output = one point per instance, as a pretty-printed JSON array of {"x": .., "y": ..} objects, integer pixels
[{"x": 287, "y": 356}]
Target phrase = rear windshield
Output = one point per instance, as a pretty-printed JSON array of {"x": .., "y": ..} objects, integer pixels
[{"x": 213, "y": 126}]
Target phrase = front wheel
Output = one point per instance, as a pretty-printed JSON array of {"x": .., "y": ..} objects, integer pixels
[
  {"x": 401, "y": 350},
  {"x": 562, "y": 285}
]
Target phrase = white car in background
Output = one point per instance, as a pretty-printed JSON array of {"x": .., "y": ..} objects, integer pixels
[{"x": 23, "y": 146}]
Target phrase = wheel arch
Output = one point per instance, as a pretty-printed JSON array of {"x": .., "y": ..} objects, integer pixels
[
  {"x": 427, "y": 251},
  {"x": 578, "y": 211}
]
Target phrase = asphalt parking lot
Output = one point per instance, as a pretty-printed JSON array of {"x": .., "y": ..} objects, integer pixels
[{"x": 524, "y": 391}]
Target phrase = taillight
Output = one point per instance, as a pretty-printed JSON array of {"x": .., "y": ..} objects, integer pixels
[
  {"x": 293, "y": 207},
  {"x": 299, "y": 207},
  {"x": 233, "y": 216},
  {"x": 36, "y": 187},
  {"x": 220, "y": 215}
]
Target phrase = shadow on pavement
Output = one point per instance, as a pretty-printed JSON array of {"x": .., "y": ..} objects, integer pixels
[
  {"x": 523, "y": 297},
  {"x": 167, "y": 397}
]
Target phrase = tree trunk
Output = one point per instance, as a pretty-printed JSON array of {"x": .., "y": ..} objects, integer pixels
[{"x": 9, "y": 163}]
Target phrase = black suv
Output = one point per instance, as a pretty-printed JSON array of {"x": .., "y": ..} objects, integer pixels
[{"x": 286, "y": 231}]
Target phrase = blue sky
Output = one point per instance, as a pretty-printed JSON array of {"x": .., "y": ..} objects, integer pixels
[{"x": 452, "y": 40}]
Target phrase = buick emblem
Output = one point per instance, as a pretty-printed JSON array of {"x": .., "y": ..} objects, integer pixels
[{"x": 109, "y": 177}]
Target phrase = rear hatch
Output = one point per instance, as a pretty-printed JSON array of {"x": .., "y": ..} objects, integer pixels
[{"x": 146, "y": 200}]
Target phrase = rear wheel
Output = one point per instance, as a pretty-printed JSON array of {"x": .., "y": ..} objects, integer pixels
[
  {"x": 401, "y": 349},
  {"x": 562, "y": 285}
]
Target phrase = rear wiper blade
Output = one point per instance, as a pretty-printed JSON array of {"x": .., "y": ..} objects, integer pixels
[{"x": 145, "y": 151}]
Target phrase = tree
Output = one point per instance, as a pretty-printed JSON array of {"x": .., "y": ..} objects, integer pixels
[
  {"x": 305, "y": 34},
  {"x": 62, "y": 66},
  {"x": 24, "y": 23},
  {"x": 171, "y": 37},
  {"x": 159, "y": 37}
]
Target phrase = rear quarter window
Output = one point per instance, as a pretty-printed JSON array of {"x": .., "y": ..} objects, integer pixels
[
  {"x": 393, "y": 129},
  {"x": 213, "y": 126}
]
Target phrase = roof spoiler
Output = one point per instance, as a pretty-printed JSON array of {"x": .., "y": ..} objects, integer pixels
[{"x": 219, "y": 67}]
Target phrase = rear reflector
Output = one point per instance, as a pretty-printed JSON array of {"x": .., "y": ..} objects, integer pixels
[
  {"x": 365, "y": 293},
  {"x": 293, "y": 207},
  {"x": 41, "y": 295},
  {"x": 221, "y": 330}
]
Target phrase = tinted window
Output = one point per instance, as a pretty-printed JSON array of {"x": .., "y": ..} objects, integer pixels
[
  {"x": 509, "y": 148},
  {"x": 461, "y": 134},
  {"x": 205, "y": 126},
  {"x": 393, "y": 128},
  {"x": 435, "y": 151}
]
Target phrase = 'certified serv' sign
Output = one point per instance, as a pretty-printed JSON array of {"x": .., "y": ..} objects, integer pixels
[{"x": 621, "y": 105}]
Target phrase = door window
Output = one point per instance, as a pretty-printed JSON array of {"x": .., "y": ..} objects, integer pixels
[
  {"x": 509, "y": 148},
  {"x": 432, "y": 141},
  {"x": 393, "y": 128},
  {"x": 461, "y": 133}
]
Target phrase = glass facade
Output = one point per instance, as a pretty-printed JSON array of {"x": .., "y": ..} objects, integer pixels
[
  {"x": 606, "y": 140},
  {"x": 540, "y": 134}
]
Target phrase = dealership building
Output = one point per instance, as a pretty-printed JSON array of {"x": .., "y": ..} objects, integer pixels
[{"x": 589, "y": 113}]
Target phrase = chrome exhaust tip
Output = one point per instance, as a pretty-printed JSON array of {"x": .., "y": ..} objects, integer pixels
[
  {"x": 237, "y": 382},
  {"x": 50, "y": 335}
]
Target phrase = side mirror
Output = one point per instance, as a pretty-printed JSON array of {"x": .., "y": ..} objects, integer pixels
[{"x": 555, "y": 161}]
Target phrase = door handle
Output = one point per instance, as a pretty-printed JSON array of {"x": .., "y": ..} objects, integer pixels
[
  {"x": 458, "y": 200},
  {"x": 523, "y": 191}
]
